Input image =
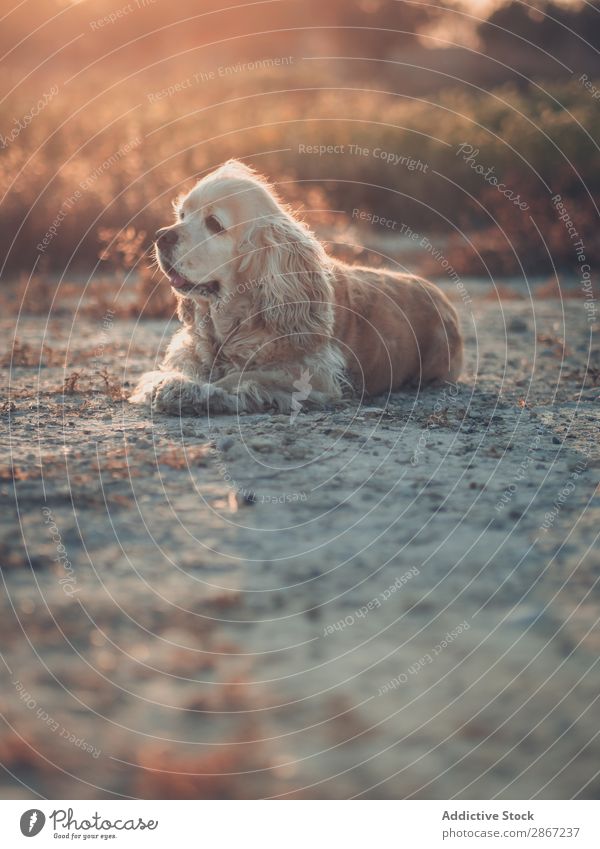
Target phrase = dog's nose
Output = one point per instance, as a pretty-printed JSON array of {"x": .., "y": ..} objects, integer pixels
[{"x": 166, "y": 237}]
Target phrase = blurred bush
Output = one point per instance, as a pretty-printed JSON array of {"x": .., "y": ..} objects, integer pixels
[{"x": 92, "y": 163}]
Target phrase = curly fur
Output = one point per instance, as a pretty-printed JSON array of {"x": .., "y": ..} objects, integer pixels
[{"x": 263, "y": 306}]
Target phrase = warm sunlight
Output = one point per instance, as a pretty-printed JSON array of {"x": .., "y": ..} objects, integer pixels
[{"x": 299, "y": 487}]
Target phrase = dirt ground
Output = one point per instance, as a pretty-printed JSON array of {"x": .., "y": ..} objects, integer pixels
[{"x": 393, "y": 598}]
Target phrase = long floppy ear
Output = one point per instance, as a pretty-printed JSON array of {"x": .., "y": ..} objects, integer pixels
[{"x": 293, "y": 275}]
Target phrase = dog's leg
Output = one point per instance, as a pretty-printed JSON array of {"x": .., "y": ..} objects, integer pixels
[
  {"x": 240, "y": 392},
  {"x": 176, "y": 394},
  {"x": 182, "y": 364},
  {"x": 287, "y": 389},
  {"x": 147, "y": 386}
]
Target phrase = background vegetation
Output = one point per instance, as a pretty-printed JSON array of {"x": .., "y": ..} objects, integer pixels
[{"x": 181, "y": 89}]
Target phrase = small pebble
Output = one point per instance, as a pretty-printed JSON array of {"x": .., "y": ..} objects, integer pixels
[{"x": 518, "y": 324}]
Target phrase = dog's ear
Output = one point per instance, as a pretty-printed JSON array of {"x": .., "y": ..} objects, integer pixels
[
  {"x": 186, "y": 311},
  {"x": 293, "y": 274}
]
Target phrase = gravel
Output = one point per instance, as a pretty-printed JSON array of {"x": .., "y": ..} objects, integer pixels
[{"x": 393, "y": 599}]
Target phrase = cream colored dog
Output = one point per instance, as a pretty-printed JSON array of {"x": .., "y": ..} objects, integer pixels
[{"x": 270, "y": 321}]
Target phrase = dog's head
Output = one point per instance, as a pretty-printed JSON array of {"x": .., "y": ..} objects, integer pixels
[{"x": 234, "y": 237}]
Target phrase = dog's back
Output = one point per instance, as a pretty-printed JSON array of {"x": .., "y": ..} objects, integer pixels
[{"x": 394, "y": 329}]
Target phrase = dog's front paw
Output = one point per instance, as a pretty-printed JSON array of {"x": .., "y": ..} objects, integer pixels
[
  {"x": 146, "y": 387},
  {"x": 177, "y": 395}
]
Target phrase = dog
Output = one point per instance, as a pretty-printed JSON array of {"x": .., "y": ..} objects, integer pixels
[{"x": 272, "y": 322}]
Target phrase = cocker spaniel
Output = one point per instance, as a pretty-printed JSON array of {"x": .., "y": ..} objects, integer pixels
[{"x": 270, "y": 321}]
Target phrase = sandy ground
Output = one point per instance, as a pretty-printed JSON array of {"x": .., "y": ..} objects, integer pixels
[{"x": 388, "y": 599}]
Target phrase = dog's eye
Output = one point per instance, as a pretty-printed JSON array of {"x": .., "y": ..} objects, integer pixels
[{"x": 214, "y": 225}]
